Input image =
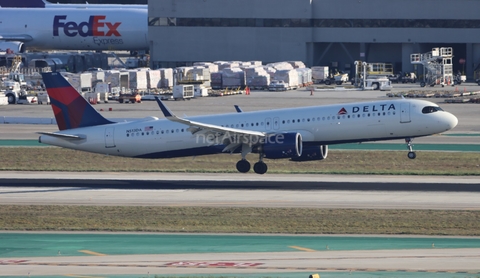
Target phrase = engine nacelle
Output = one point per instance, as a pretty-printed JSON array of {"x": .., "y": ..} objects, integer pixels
[
  {"x": 12, "y": 47},
  {"x": 319, "y": 152},
  {"x": 282, "y": 145}
]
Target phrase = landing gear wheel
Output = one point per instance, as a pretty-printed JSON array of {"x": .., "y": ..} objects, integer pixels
[
  {"x": 411, "y": 153},
  {"x": 260, "y": 168},
  {"x": 243, "y": 166}
]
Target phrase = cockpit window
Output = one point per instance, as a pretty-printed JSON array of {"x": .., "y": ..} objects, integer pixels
[{"x": 431, "y": 109}]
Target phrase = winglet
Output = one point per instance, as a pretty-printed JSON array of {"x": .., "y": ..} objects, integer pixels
[
  {"x": 166, "y": 112},
  {"x": 239, "y": 110}
]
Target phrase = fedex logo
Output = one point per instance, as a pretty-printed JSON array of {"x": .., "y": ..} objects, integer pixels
[{"x": 95, "y": 26}]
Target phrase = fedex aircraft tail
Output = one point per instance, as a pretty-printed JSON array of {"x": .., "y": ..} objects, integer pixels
[{"x": 70, "y": 108}]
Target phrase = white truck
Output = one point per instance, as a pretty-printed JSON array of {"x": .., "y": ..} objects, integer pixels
[{"x": 13, "y": 87}]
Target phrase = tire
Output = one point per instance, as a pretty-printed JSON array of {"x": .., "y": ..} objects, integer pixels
[
  {"x": 11, "y": 99},
  {"x": 243, "y": 166},
  {"x": 339, "y": 82},
  {"x": 376, "y": 86},
  {"x": 422, "y": 84},
  {"x": 327, "y": 82}
]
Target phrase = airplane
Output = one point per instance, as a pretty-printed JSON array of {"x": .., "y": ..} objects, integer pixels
[
  {"x": 93, "y": 29},
  {"x": 46, "y": 4},
  {"x": 300, "y": 134}
]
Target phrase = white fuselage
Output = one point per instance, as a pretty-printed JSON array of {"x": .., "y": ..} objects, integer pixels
[
  {"x": 318, "y": 125},
  {"x": 76, "y": 28}
]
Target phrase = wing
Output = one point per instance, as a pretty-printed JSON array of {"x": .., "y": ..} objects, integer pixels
[
  {"x": 231, "y": 137},
  {"x": 19, "y": 38}
]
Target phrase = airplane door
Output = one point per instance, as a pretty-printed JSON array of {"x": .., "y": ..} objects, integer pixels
[
  {"x": 405, "y": 113},
  {"x": 268, "y": 124},
  {"x": 109, "y": 139},
  {"x": 276, "y": 123}
]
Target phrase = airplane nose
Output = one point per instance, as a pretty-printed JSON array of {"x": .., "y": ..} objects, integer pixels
[{"x": 451, "y": 121}]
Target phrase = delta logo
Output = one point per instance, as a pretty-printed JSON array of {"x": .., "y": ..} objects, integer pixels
[
  {"x": 96, "y": 26},
  {"x": 342, "y": 111},
  {"x": 368, "y": 108}
]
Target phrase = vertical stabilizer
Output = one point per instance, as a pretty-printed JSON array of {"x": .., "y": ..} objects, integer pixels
[{"x": 71, "y": 110}]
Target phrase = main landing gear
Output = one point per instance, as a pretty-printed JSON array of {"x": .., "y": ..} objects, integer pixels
[
  {"x": 243, "y": 166},
  {"x": 411, "y": 153}
]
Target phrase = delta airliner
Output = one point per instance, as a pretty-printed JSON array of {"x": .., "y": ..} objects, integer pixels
[{"x": 298, "y": 134}]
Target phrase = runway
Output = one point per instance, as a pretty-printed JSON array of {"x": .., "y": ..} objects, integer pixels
[
  {"x": 240, "y": 190},
  {"x": 170, "y": 254}
]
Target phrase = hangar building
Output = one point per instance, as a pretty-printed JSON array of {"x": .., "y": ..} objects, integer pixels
[{"x": 331, "y": 33}]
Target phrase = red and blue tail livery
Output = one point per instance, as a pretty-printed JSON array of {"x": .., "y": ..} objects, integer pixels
[{"x": 71, "y": 110}]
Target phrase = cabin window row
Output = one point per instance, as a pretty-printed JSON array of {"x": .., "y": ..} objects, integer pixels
[{"x": 293, "y": 121}]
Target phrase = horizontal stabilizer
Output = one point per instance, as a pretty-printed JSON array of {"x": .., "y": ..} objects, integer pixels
[{"x": 64, "y": 136}]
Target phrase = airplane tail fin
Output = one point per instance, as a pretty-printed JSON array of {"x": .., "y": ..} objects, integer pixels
[{"x": 70, "y": 108}]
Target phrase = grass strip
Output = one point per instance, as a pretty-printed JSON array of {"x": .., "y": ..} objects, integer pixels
[
  {"x": 239, "y": 220},
  {"x": 338, "y": 162}
]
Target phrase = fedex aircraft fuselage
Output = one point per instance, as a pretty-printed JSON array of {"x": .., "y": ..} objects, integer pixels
[
  {"x": 297, "y": 133},
  {"x": 75, "y": 29}
]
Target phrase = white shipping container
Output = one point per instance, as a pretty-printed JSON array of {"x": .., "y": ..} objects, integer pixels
[
  {"x": 320, "y": 73},
  {"x": 200, "y": 91},
  {"x": 153, "y": 79},
  {"x": 183, "y": 91},
  {"x": 289, "y": 77},
  {"x": 138, "y": 80},
  {"x": 113, "y": 77},
  {"x": 166, "y": 78},
  {"x": 233, "y": 77}
]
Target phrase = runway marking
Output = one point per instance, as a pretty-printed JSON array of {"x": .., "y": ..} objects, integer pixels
[
  {"x": 12, "y": 261},
  {"x": 78, "y": 276},
  {"x": 242, "y": 266},
  {"x": 302, "y": 248},
  {"x": 91, "y": 253},
  {"x": 213, "y": 264}
]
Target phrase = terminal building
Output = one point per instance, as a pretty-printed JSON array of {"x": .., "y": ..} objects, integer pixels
[{"x": 333, "y": 33}]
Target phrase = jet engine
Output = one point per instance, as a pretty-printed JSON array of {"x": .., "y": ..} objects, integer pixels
[
  {"x": 282, "y": 145},
  {"x": 318, "y": 152},
  {"x": 14, "y": 47}
]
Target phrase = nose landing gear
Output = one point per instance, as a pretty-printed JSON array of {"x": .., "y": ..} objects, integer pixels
[{"x": 411, "y": 153}]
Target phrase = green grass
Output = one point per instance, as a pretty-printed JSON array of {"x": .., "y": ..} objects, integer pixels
[
  {"x": 338, "y": 162},
  {"x": 242, "y": 220},
  {"x": 239, "y": 220}
]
